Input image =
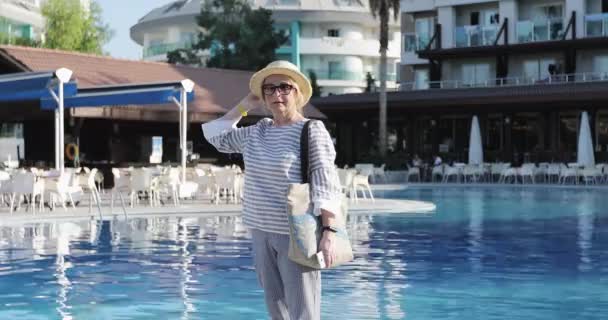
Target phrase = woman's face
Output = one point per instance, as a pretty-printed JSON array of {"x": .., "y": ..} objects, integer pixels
[{"x": 280, "y": 94}]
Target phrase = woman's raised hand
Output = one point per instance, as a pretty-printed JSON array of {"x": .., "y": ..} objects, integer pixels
[{"x": 251, "y": 102}]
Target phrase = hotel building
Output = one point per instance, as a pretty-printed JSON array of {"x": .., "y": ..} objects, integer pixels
[{"x": 335, "y": 39}]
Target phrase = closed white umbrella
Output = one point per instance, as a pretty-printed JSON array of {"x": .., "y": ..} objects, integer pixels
[
  {"x": 475, "y": 148},
  {"x": 584, "y": 152}
]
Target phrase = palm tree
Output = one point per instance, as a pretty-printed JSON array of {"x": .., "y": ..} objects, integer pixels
[{"x": 382, "y": 9}]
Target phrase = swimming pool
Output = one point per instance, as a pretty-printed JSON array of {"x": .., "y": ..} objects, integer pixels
[{"x": 485, "y": 254}]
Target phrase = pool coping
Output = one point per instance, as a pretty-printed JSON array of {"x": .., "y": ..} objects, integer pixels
[{"x": 193, "y": 209}]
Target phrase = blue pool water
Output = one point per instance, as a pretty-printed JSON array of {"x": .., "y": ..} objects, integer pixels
[{"x": 485, "y": 254}]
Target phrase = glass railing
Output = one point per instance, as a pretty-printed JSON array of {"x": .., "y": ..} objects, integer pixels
[
  {"x": 163, "y": 48},
  {"x": 474, "y": 36},
  {"x": 345, "y": 75},
  {"x": 547, "y": 30},
  {"x": 336, "y": 74},
  {"x": 415, "y": 42},
  {"x": 507, "y": 81},
  {"x": 596, "y": 25},
  {"x": 17, "y": 30}
]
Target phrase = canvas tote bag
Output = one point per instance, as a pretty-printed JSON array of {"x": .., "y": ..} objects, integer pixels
[{"x": 304, "y": 227}]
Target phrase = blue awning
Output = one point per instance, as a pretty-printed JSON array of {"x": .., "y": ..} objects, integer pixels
[
  {"x": 121, "y": 95},
  {"x": 69, "y": 89},
  {"x": 31, "y": 86}
]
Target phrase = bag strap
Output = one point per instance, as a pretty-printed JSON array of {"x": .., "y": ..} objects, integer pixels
[{"x": 304, "y": 152}]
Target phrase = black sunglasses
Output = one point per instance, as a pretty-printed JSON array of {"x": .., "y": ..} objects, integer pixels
[{"x": 284, "y": 89}]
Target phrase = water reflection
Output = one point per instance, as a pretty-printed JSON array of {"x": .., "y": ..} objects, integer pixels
[
  {"x": 585, "y": 231},
  {"x": 66, "y": 232},
  {"x": 475, "y": 232}
]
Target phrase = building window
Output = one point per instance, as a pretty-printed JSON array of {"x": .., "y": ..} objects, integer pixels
[
  {"x": 568, "y": 131},
  {"x": 424, "y": 31},
  {"x": 540, "y": 70},
  {"x": 601, "y": 132},
  {"x": 600, "y": 64},
  {"x": 421, "y": 79},
  {"x": 11, "y": 130},
  {"x": 494, "y": 133},
  {"x": 475, "y": 74},
  {"x": 187, "y": 38},
  {"x": 526, "y": 135},
  {"x": 335, "y": 70},
  {"x": 334, "y": 33}
]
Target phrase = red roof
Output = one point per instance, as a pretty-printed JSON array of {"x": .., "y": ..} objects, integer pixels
[{"x": 215, "y": 90}]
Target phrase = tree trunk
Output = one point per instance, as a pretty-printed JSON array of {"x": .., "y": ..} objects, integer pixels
[
  {"x": 384, "y": 16},
  {"x": 382, "y": 116}
]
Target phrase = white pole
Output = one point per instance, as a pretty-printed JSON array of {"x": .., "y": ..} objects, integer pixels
[
  {"x": 184, "y": 103},
  {"x": 61, "y": 129},
  {"x": 64, "y": 76},
  {"x": 57, "y": 139}
]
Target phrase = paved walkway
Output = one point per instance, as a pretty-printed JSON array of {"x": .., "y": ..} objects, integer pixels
[{"x": 199, "y": 207}]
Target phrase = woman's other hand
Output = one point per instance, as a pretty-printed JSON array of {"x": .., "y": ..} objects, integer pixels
[{"x": 328, "y": 247}]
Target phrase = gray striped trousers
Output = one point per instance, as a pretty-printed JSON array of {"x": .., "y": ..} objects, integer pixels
[{"x": 292, "y": 291}]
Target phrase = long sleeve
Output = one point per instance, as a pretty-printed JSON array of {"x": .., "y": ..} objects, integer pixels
[
  {"x": 225, "y": 136},
  {"x": 325, "y": 184}
]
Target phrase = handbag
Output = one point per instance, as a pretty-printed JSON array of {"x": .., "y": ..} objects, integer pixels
[{"x": 305, "y": 229}]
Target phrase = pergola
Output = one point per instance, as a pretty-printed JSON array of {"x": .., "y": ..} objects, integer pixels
[{"x": 55, "y": 92}]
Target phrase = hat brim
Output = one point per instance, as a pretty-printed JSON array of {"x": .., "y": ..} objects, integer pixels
[{"x": 257, "y": 80}]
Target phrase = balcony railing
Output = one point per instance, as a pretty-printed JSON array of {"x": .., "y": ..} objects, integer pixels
[
  {"x": 596, "y": 25},
  {"x": 344, "y": 75},
  {"x": 415, "y": 42},
  {"x": 15, "y": 30},
  {"x": 163, "y": 48},
  {"x": 532, "y": 31},
  {"x": 474, "y": 36},
  {"x": 508, "y": 81}
]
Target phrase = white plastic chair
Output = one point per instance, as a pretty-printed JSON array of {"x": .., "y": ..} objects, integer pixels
[
  {"x": 362, "y": 181},
  {"x": 379, "y": 173},
  {"x": 413, "y": 171},
  {"x": 25, "y": 187},
  {"x": 591, "y": 175},
  {"x": 437, "y": 171},
  {"x": 142, "y": 181},
  {"x": 346, "y": 177},
  {"x": 553, "y": 173},
  {"x": 169, "y": 184},
  {"x": 122, "y": 183},
  {"x": 94, "y": 196},
  {"x": 451, "y": 172},
  {"x": 527, "y": 171},
  {"x": 567, "y": 173},
  {"x": 226, "y": 180},
  {"x": 5, "y": 187},
  {"x": 61, "y": 190}
]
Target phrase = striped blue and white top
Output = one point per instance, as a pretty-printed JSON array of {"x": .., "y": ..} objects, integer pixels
[{"x": 272, "y": 161}]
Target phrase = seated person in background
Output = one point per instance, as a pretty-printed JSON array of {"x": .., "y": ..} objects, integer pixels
[
  {"x": 437, "y": 161},
  {"x": 416, "y": 161}
]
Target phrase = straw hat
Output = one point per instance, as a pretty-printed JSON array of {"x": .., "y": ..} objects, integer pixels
[{"x": 284, "y": 68}]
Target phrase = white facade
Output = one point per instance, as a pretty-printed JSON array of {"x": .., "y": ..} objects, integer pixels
[
  {"x": 21, "y": 19},
  {"x": 335, "y": 39},
  {"x": 466, "y": 24}
]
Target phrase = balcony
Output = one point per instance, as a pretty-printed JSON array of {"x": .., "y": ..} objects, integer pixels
[
  {"x": 12, "y": 29},
  {"x": 541, "y": 30},
  {"x": 344, "y": 75},
  {"x": 475, "y": 36},
  {"x": 596, "y": 25},
  {"x": 163, "y": 48},
  {"x": 507, "y": 82},
  {"x": 415, "y": 42},
  {"x": 344, "y": 46}
]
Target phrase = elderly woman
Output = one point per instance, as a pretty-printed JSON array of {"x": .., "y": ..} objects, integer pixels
[{"x": 271, "y": 152}]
